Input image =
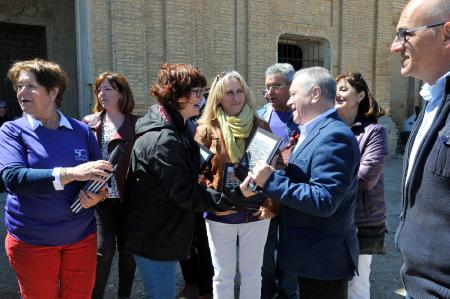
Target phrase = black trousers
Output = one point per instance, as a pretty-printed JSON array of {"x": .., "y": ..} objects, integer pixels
[
  {"x": 110, "y": 216},
  {"x": 323, "y": 289},
  {"x": 198, "y": 268}
]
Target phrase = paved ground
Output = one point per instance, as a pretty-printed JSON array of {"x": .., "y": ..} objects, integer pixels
[{"x": 385, "y": 281}]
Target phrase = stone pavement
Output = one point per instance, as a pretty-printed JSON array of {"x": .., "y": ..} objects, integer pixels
[{"x": 385, "y": 280}]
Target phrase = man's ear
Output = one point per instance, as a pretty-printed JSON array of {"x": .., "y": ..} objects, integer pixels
[
  {"x": 316, "y": 93},
  {"x": 447, "y": 35}
]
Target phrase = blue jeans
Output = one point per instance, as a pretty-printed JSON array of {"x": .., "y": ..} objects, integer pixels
[{"x": 159, "y": 277}]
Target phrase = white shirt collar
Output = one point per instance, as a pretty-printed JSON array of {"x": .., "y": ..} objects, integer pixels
[
  {"x": 433, "y": 93},
  {"x": 63, "y": 121}
]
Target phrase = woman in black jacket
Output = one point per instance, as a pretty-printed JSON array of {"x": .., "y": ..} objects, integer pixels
[{"x": 162, "y": 188}]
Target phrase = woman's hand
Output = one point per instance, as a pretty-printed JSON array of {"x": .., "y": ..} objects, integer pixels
[
  {"x": 94, "y": 171},
  {"x": 89, "y": 199},
  {"x": 264, "y": 213}
]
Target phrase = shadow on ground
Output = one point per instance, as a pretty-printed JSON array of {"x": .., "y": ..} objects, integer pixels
[{"x": 385, "y": 279}]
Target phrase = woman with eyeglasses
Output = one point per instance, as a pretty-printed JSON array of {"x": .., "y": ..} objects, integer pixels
[
  {"x": 113, "y": 124},
  {"x": 45, "y": 158},
  {"x": 226, "y": 127},
  {"x": 162, "y": 191},
  {"x": 359, "y": 110}
]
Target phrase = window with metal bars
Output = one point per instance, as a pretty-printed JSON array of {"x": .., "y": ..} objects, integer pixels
[{"x": 303, "y": 52}]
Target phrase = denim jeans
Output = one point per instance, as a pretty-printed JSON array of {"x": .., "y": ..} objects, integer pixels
[
  {"x": 159, "y": 277},
  {"x": 110, "y": 217}
]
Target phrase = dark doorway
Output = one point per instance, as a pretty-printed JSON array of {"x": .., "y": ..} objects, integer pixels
[{"x": 18, "y": 42}]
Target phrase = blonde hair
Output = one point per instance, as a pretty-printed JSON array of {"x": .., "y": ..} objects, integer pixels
[{"x": 216, "y": 93}]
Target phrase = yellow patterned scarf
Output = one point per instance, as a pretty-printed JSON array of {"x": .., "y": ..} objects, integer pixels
[{"x": 235, "y": 129}]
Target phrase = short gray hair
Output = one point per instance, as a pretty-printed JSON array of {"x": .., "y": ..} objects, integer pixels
[
  {"x": 440, "y": 9},
  {"x": 284, "y": 69},
  {"x": 318, "y": 76}
]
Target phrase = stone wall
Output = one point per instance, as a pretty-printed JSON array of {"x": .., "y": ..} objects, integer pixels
[
  {"x": 58, "y": 18},
  {"x": 135, "y": 36}
]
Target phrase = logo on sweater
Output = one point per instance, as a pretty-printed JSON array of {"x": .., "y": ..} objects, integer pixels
[{"x": 81, "y": 155}]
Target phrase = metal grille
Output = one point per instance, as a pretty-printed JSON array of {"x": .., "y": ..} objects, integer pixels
[
  {"x": 18, "y": 42},
  {"x": 301, "y": 53}
]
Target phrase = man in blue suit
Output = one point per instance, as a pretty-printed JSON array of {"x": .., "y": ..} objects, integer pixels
[{"x": 316, "y": 192}]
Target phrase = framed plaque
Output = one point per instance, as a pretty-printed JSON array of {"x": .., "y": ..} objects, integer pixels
[
  {"x": 230, "y": 180},
  {"x": 262, "y": 146}
]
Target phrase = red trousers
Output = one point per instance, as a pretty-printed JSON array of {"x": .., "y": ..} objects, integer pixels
[{"x": 49, "y": 272}]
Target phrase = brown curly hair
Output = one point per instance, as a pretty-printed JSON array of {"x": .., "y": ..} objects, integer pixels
[
  {"x": 174, "y": 84},
  {"x": 120, "y": 83}
]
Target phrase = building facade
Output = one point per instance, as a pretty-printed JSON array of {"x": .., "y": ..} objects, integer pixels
[{"x": 134, "y": 37}]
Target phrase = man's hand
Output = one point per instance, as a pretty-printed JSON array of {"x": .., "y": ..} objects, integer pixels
[
  {"x": 261, "y": 173},
  {"x": 245, "y": 190}
]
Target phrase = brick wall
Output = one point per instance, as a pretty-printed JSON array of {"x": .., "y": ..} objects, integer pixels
[{"x": 135, "y": 36}]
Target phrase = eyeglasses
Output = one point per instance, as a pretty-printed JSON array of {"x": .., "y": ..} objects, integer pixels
[
  {"x": 198, "y": 92},
  {"x": 403, "y": 34},
  {"x": 275, "y": 87},
  {"x": 30, "y": 86}
]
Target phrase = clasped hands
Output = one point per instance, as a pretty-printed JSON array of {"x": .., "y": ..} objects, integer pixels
[{"x": 259, "y": 175}]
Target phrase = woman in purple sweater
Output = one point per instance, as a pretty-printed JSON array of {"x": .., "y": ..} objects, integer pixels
[
  {"x": 44, "y": 158},
  {"x": 359, "y": 110}
]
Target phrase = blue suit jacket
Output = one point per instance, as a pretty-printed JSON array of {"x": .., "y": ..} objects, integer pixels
[{"x": 317, "y": 193}]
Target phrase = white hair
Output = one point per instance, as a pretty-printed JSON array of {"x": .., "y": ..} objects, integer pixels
[{"x": 318, "y": 76}]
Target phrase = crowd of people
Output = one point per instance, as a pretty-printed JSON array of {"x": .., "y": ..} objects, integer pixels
[{"x": 320, "y": 211}]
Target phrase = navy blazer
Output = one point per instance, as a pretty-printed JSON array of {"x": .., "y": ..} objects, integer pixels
[{"x": 317, "y": 196}]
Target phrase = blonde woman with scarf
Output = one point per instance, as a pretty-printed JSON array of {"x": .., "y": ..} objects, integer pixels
[{"x": 226, "y": 127}]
